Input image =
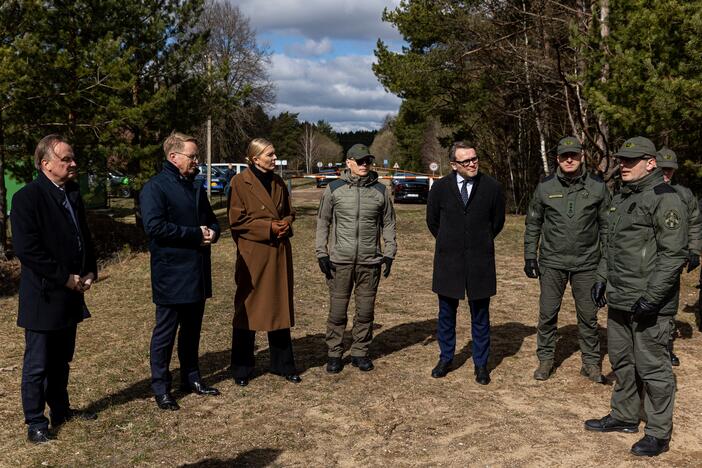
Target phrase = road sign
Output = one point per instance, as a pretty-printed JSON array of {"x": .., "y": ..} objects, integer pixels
[
  {"x": 330, "y": 165},
  {"x": 319, "y": 164},
  {"x": 285, "y": 162},
  {"x": 385, "y": 163},
  {"x": 396, "y": 166},
  {"x": 433, "y": 167}
]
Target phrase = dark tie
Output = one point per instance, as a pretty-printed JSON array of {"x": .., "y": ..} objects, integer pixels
[
  {"x": 69, "y": 208},
  {"x": 464, "y": 192}
]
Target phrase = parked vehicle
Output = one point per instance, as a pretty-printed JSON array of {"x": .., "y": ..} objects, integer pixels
[
  {"x": 217, "y": 182},
  {"x": 408, "y": 189},
  {"x": 119, "y": 184}
]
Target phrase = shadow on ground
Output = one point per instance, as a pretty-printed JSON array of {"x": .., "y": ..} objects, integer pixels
[{"x": 255, "y": 458}]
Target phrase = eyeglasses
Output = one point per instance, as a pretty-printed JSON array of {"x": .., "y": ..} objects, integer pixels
[
  {"x": 631, "y": 161},
  {"x": 364, "y": 161},
  {"x": 466, "y": 162},
  {"x": 191, "y": 157}
]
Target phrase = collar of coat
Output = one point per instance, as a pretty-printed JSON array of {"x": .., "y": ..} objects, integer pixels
[
  {"x": 646, "y": 182},
  {"x": 571, "y": 180},
  {"x": 171, "y": 169},
  {"x": 70, "y": 189},
  {"x": 364, "y": 181},
  {"x": 270, "y": 202}
]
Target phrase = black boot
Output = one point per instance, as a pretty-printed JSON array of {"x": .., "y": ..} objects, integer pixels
[{"x": 674, "y": 360}]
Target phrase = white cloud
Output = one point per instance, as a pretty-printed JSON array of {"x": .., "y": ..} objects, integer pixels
[
  {"x": 343, "y": 91},
  {"x": 316, "y": 19},
  {"x": 310, "y": 48}
]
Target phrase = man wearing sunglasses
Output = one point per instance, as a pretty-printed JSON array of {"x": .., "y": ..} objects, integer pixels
[
  {"x": 354, "y": 213},
  {"x": 465, "y": 212},
  {"x": 567, "y": 223},
  {"x": 639, "y": 271}
]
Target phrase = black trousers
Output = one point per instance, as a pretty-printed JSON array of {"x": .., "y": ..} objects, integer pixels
[
  {"x": 280, "y": 344},
  {"x": 47, "y": 355},
  {"x": 168, "y": 319}
]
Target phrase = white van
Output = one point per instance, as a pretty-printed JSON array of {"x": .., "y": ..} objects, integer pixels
[{"x": 238, "y": 167}]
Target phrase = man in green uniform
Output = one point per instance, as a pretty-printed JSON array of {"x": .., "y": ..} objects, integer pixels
[
  {"x": 567, "y": 219},
  {"x": 645, "y": 252},
  {"x": 667, "y": 160}
]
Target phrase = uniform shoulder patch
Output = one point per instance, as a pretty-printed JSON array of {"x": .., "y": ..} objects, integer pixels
[
  {"x": 335, "y": 184},
  {"x": 660, "y": 189},
  {"x": 547, "y": 178},
  {"x": 671, "y": 219},
  {"x": 596, "y": 178}
]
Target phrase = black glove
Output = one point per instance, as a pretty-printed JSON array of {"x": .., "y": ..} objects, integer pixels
[
  {"x": 326, "y": 266},
  {"x": 531, "y": 268},
  {"x": 387, "y": 261},
  {"x": 598, "y": 294},
  {"x": 643, "y": 310},
  {"x": 693, "y": 261}
]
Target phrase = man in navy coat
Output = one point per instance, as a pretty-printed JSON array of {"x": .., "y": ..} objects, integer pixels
[
  {"x": 181, "y": 226},
  {"x": 465, "y": 212},
  {"x": 52, "y": 241}
]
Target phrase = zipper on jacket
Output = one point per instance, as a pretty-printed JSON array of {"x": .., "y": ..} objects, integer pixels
[{"x": 358, "y": 221}]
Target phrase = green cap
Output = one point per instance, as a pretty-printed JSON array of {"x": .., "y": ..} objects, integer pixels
[
  {"x": 569, "y": 144},
  {"x": 667, "y": 158},
  {"x": 637, "y": 147},
  {"x": 358, "y": 151}
]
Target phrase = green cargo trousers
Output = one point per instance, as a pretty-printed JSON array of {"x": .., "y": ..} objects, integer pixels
[
  {"x": 364, "y": 280},
  {"x": 553, "y": 283},
  {"x": 641, "y": 348}
]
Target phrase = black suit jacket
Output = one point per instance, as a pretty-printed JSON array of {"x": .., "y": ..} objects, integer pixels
[
  {"x": 50, "y": 248},
  {"x": 464, "y": 254},
  {"x": 173, "y": 209}
]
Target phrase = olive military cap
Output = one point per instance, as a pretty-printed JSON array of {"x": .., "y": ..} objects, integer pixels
[
  {"x": 569, "y": 144},
  {"x": 358, "y": 151},
  {"x": 637, "y": 147},
  {"x": 666, "y": 158}
]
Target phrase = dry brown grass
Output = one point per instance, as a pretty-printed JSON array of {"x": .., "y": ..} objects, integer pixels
[{"x": 396, "y": 415}]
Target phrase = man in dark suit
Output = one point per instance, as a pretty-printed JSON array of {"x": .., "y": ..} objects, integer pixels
[
  {"x": 181, "y": 226},
  {"x": 52, "y": 241},
  {"x": 465, "y": 212}
]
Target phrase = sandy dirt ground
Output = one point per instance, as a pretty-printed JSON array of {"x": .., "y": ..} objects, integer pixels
[{"x": 396, "y": 415}]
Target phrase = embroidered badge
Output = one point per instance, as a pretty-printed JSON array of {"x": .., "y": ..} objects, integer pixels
[{"x": 672, "y": 219}]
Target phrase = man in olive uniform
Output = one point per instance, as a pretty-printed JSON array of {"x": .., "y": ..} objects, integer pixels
[
  {"x": 355, "y": 212},
  {"x": 568, "y": 215},
  {"x": 667, "y": 160},
  {"x": 645, "y": 252}
]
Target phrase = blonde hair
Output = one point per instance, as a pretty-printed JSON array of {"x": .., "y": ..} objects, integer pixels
[
  {"x": 176, "y": 142},
  {"x": 256, "y": 147}
]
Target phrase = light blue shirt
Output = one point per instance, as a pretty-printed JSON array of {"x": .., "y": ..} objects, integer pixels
[{"x": 459, "y": 181}]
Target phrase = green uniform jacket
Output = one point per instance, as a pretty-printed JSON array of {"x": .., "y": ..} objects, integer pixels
[
  {"x": 694, "y": 220},
  {"x": 354, "y": 213},
  {"x": 569, "y": 217},
  {"x": 646, "y": 244}
]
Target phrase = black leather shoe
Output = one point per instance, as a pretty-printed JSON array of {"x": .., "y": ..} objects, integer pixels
[
  {"x": 199, "y": 388},
  {"x": 334, "y": 365},
  {"x": 167, "y": 402},
  {"x": 39, "y": 436},
  {"x": 609, "y": 424},
  {"x": 71, "y": 414},
  {"x": 650, "y": 446},
  {"x": 241, "y": 381},
  {"x": 363, "y": 363},
  {"x": 482, "y": 376},
  {"x": 674, "y": 360},
  {"x": 294, "y": 378},
  {"x": 441, "y": 369}
]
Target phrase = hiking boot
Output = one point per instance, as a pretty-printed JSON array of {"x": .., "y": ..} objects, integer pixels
[
  {"x": 544, "y": 371},
  {"x": 592, "y": 372},
  {"x": 650, "y": 446},
  {"x": 609, "y": 424}
]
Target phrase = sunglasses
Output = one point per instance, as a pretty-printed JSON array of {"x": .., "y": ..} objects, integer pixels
[
  {"x": 466, "y": 162},
  {"x": 364, "y": 161}
]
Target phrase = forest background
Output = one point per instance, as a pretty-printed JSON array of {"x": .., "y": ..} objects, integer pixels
[{"x": 116, "y": 77}]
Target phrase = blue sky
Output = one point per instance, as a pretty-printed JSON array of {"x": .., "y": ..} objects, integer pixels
[{"x": 322, "y": 52}]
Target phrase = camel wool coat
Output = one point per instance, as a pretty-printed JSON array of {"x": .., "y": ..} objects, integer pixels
[{"x": 263, "y": 300}]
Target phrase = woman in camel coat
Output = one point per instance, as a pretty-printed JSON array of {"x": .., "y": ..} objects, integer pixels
[{"x": 261, "y": 217}]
